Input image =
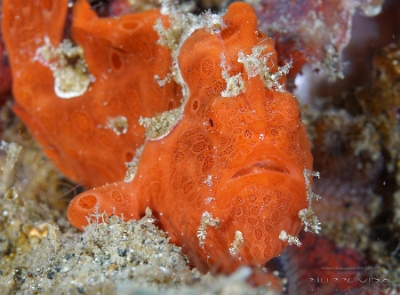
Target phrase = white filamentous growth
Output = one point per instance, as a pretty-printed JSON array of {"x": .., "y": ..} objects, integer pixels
[
  {"x": 255, "y": 64},
  {"x": 234, "y": 84}
]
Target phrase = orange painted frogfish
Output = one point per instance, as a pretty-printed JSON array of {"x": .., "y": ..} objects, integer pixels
[{"x": 228, "y": 181}]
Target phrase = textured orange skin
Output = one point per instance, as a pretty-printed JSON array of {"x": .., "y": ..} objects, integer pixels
[
  {"x": 253, "y": 146},
  {"x": 72, "y": 131}
]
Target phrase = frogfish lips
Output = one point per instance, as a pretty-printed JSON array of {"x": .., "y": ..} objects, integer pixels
[
  {"x": 258, "y": 167},
  {"x": 266, "y": 160}
]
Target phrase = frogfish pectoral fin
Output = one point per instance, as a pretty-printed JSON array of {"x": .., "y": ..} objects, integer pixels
[{"x": 97, "y": 205}]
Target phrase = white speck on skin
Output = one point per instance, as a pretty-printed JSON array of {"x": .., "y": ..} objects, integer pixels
[
  {"x": 209, "y": 200},
  {"x": 237, "y": 243},
  {"x": 284, "y": 236},
  {"x": 208, "y": 181},
  {"x": 119, "y": 125},
  {"x": 206, "y": 220}
]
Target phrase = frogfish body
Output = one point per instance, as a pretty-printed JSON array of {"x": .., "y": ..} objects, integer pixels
[{"x": 228, "y": 178}]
